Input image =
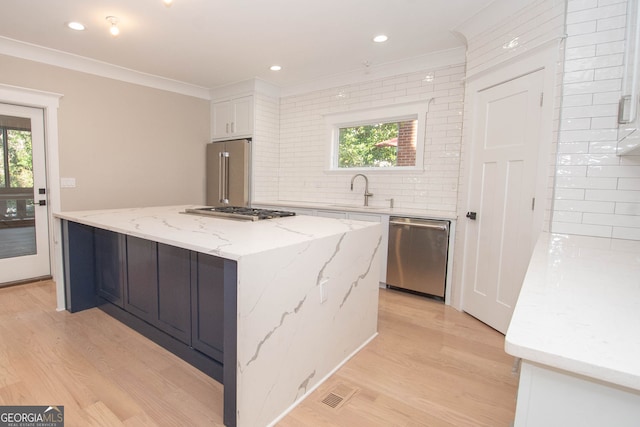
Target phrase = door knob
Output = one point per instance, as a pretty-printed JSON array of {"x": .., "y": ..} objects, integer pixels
[{"x": 472, "y": 215}]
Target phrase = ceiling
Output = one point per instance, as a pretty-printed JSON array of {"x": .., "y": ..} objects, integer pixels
[{"x": 211, "y": 43}]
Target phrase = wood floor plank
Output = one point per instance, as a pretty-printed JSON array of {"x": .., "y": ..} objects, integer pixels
[{"x": 429, "y": 366}]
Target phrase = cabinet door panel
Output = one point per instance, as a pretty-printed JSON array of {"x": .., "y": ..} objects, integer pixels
[
  {"x": 242, "y": 120},
  {"x": 208, "y": 305},
  {"x": 142, "y": 289},
  {"x": 109, "y": 258},
  {"x": 174, "y": 292},
  {"x": 220, "y": 119}
]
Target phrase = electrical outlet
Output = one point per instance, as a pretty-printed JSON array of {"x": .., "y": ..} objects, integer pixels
[{"x": 323, "y": 291}]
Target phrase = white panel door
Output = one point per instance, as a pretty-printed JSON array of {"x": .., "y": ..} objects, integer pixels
[
  {"x": 504, "y": 162},
  {"x": 24, "y": 227}
]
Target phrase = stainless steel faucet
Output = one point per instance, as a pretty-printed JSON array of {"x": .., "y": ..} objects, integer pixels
[{"x": 366, "y": 187}]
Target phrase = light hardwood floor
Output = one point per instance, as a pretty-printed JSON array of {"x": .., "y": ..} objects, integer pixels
[{"x": 430, "y": 366}]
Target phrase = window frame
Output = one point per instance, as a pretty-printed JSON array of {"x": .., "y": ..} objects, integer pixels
[{"x": 385, "y": 114}]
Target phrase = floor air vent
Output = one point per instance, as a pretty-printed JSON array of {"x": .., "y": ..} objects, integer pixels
[{"x": 337, "y": 397}]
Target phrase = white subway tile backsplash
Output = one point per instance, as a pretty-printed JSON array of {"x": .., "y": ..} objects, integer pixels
[
  {"x": 581, "y": 28},
  {"x": 628, "y": 209},
  {"x": 578, "y": 5},
  {"x": 588, "y": 135},
  {"x": 604, "y": 123},
  {"x": 573, "y": 147},
  {"x": 611, "y": 48},
  {"x": 577, "y": 100},
  {"x": 579, "y": 76},
  {"x": 608, "y": 73},
  {"x": 585, "y": 182},
  {"x": 580, "y": 52},
  {"x": 613, "y": 195},
  {"x": 584, "y": 206},
  {"x": 581, "y": 229},
  {"x": 629, "y": 184},
  {"x": 610, "y": 147},
  {"x": 611, "y": 23},
  {"x": 607, "y": 98},
  {"x": 568, "y": 216},
  {"x": 576, "y": 124},
  {"x": 571, "y": 170},
  {"x": 615, "y": 171},
  {"x": 597, "y": 13},
  {"x": 611, "y": 219},
  {"x": 626, "y": 233},
  {"x": 608, "y": 2},
  {"x": 596, "y": 110},
  {"x": 588, "y": 159},
  {"x": 569, "y": 193},
  {"x": 595, "y": 38},
  {"x": 592, "y": 87}
]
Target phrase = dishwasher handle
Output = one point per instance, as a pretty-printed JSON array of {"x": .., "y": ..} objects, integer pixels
[{"x": 420, "y": 225}]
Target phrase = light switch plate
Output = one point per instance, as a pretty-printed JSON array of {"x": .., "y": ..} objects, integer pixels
[{"x": 67, "y": 182}]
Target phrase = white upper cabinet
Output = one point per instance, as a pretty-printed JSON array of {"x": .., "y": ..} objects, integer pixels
[
  {"x": 628, "y": 114},
  {"x": 232, "y": 118}
]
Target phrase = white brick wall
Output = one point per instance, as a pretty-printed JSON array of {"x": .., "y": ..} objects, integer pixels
[
  {"x": 304, "y": 144},
  {"x": 597, "y": 192},
  {"x": 265, "y": 146},
  {"x": 534, "y": 25}
]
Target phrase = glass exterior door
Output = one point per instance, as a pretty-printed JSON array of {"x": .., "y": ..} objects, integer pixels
[{"x": 24, "y": 235}]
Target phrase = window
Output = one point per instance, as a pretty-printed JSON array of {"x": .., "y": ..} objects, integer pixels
[
  {"x": 16, "y": 169},
  {"x": 385, "y": 138},
  {"x": 379, "y": 145}
]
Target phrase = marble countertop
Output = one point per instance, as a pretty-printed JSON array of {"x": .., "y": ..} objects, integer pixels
[
  {"x": 381, "y": 210},
  {"x": 579, "y": 308},
  {"x": 226, "y": 238}
]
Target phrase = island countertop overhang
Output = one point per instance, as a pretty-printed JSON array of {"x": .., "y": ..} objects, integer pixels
[{"x": 226, "y": 238}]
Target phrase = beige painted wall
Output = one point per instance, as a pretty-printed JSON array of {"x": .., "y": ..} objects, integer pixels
[{"x": 126, "y": 145}]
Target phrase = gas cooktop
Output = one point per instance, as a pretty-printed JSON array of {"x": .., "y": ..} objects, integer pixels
[{"x": 239, "y": 212}]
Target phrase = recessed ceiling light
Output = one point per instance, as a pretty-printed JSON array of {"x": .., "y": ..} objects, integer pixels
[
  {"x": 76, "y": 26},
  {"x": 167, "y": 3},
  {"x": 275, "y": 68},
  {"x": 380, "y": 39}
]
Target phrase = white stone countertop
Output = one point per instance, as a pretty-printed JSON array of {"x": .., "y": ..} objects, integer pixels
[
  {"x": 579, "y": 308},
  {"x": 382, "y": 210},
  {"x": 226, "y": 238}
]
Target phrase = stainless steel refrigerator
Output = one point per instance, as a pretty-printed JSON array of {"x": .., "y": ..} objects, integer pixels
[{"x": 228, "y": 173}]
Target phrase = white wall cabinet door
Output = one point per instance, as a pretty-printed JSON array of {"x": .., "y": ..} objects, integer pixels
[{"x": 232, "y": 118}]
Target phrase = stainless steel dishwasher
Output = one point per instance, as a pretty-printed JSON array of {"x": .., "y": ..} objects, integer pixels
[{"x": 417, "y": 257}]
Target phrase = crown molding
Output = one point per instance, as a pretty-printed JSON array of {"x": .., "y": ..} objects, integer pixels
[
  {"x": 83, "y": 64},
  {"x": 245, "y": 87}
]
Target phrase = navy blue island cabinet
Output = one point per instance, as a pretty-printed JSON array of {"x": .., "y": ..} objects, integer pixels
[{"x": 183, "y": 300}]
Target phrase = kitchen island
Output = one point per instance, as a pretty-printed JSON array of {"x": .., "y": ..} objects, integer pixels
[
  {"x": 576, "y": 327},
  {"x": 300, "y": 293}
]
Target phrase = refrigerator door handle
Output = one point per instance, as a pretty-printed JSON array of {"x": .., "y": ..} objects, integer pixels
[
  {"x": 226, "y": 178},
  {"x": 223, "y": 191}
]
